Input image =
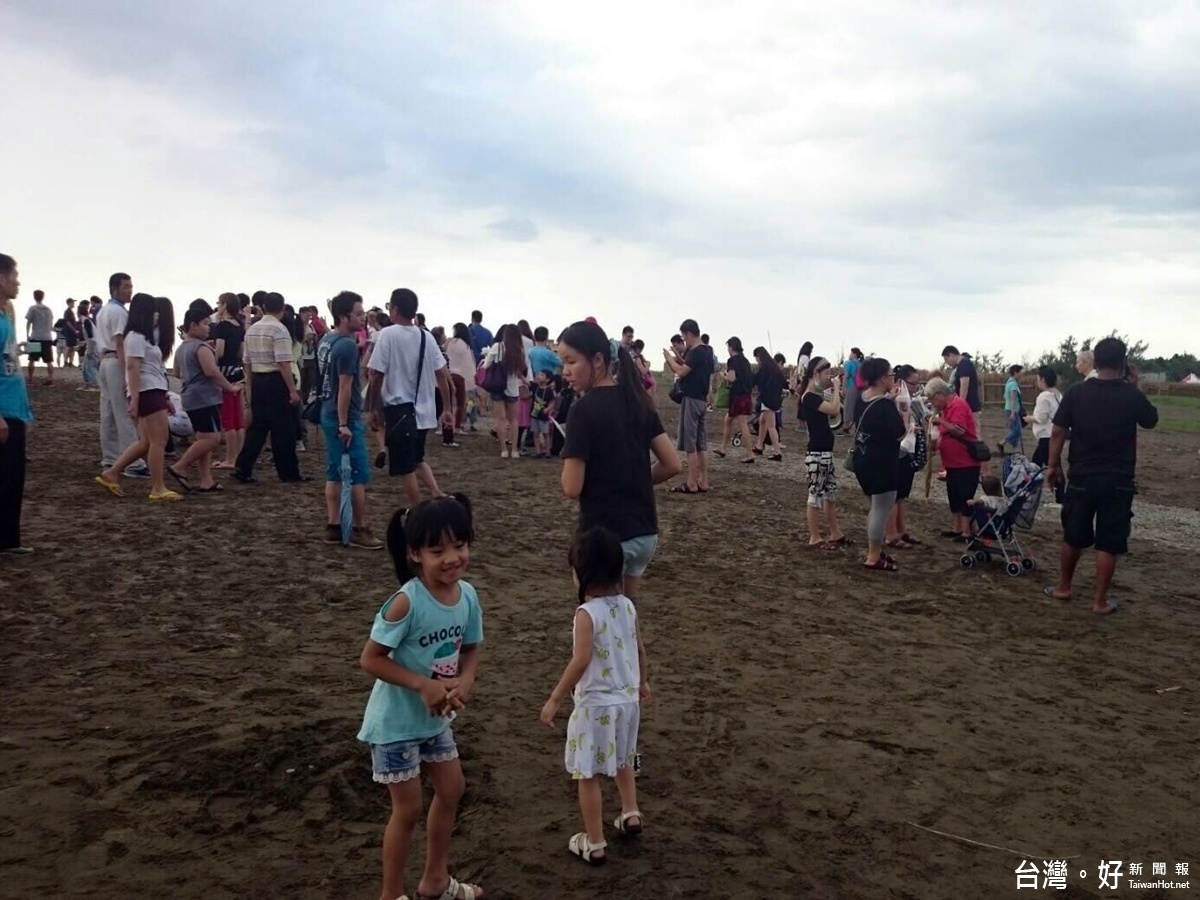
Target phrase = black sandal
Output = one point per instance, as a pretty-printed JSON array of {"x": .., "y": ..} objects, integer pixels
[{"x": 180, "y": 480}]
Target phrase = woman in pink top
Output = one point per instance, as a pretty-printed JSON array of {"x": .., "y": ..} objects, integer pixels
[{"x": 956, "y": 429}]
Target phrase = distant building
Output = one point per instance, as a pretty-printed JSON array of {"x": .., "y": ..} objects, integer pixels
[{"x": 1190, "y": 378}]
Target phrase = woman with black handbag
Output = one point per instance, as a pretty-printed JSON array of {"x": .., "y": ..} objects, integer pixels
[{"x": 876, "y": 457}]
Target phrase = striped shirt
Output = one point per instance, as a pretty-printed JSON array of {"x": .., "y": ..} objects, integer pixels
[{"x": 267, "y": 344}]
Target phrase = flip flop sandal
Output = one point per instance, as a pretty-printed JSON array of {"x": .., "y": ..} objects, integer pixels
[
  {"x": 580, "y": 846},
  {"x": 843, "y": 541},
  {"x": 720, "y": 453},
  {"x": 898, "y": 544},
  {"x": 684, "y": 489},
  {"x": 165, "y": 496},
  {"x": 824, "y": 547},
  {"x": 881, "y": 565},
  {"x": 216, "y": 488},
  {"x": 1109, "y": 608},
  {"x": 180, "y": 480},
  {"x": 749, "y": 460},
  {"x": 622, "y": 822},
  {"x": 778, "y": 458},
  {"x": 887, "y": 559},
  {"x": 912, "y": 540},
  {"x": 1049, "y": 592},
  {"x": 111, "y": 486}
]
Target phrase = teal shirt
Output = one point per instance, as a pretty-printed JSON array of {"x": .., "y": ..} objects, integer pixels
[
  {"x": 426, "y": 641},
  {"x": 1012, "y": 395},
  {"x": 14, "y": 398}
]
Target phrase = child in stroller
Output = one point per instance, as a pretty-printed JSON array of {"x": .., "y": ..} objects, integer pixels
[{"x": 1003, "y": 508}]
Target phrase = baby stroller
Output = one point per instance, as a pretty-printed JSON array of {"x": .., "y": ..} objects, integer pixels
[{"x": 997, "y": 537}]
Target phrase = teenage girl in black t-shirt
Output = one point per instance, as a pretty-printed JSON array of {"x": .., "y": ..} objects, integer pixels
[
  {"x": 770, "y": 383},
  {"x": 611, "y": 431}
]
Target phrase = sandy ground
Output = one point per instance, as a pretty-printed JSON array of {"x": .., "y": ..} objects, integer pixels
[{"x": 181, "y": 695}]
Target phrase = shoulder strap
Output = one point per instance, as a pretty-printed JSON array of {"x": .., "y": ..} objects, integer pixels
[{"x": 420, "y": 367}]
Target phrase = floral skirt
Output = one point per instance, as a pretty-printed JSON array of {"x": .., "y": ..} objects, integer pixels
[{"x": 602, "y": 739}]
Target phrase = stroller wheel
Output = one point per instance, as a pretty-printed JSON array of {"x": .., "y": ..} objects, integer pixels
[
  {"x": 737, "y": 440},
  {"x": 967, "y": 560},
  {"x": 1029, "y": 563},
  {"x": 981, "y": 555},
  {"x": 1013, "y": 569}
]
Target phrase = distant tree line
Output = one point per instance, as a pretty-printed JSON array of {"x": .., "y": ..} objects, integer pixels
[{"x": 1064, "y": 358}]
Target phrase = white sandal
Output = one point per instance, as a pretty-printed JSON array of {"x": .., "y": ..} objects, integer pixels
[
  {"x": 469, "y": 892},
  {"x": 622, "y": 822},
  {"x": 580, "y": 846}
]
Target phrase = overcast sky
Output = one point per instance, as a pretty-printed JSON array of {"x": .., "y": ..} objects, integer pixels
[{"x": 892, "y": 175}]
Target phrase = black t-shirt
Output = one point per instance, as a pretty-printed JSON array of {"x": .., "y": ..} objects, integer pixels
[
  {"x": 232, "y": 334},
  {"x": 877, "y": 446},
  {"x": 820, "y": 434},
  {"x": 696, "y": 383},
  {"x": 966, "y": 369},
  {"x": 1103, "y": 416},
  {"x": 614, "y": 442},
  {"x": 744, "y": 382},
  {"x": 770, "y": 386}
]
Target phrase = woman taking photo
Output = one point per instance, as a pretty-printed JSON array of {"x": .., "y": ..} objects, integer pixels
[
  {"x": 770, "y": 383},
  {"x": 612, "y": 430},
  {"x": 876, "y": 457},
  {"x": 227, "y": 336},
  {"x": 820, "y": 403},
  {"x": 1048, "y": 399},
  {"x": 509, "y": 353},
  {"x": 957, "y": 429},
  {"x": 146, "y": 377}
]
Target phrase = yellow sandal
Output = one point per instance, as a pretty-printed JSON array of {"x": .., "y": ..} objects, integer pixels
[
  {"x": 111, "y": 486},
  {"x": 166, "y": 495}
]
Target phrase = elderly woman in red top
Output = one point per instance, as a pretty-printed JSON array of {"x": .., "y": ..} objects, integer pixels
[{"x": 956, "y": 429}]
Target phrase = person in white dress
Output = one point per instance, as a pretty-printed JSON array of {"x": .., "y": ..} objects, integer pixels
[{"x": 609, "y": 675}]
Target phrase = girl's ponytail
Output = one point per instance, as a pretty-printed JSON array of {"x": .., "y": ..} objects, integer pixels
[
  {"x": 629, "y": 382},
  {"x": 397, "y": 544}
]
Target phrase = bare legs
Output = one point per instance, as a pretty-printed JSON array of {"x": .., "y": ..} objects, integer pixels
[
  {"x": 831, "y": 523},
  {"x": 591, "y": 804},
  {"x": 1106, "y": 568},
  {"x": 199, "y": 454},
  {"x": 448, "y": 786},
  {"x": 151, "y": 443},
  {"x": 767, "y": 429}
]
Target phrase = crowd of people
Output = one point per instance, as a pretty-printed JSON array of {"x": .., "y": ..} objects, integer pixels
[{"x": 254, "y": 370}]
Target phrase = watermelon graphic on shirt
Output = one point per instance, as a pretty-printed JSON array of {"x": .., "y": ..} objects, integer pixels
[{"x": 445, "y": 660}]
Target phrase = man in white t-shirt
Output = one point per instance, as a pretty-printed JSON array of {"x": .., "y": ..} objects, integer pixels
[
  {"x": 400, "y": 396},
  {"x": 117, "y": 429}
]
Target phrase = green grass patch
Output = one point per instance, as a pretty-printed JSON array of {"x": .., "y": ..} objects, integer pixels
[{"x": 1175, "y": 401}]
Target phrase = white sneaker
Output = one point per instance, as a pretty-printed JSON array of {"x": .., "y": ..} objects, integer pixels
[{"x": 504, "y": 454}]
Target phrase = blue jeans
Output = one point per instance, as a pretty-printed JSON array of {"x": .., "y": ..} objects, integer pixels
[
  {"x": 1015, "y": 427},
  {"x": 335, "y": 450}
]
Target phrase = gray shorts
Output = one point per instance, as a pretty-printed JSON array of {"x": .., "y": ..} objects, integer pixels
[{"x": 692, "y": 425}]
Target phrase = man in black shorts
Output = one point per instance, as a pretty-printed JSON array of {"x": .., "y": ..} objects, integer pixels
[{"x": 1102, "y": 415}]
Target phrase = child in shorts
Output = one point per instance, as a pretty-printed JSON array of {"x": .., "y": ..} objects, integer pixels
[
  {"x": 543, "y": 404},
  {"x": 424, "y": 654}
]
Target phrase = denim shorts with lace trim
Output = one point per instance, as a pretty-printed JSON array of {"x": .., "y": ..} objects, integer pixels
[{"x": 401, "y": 760}]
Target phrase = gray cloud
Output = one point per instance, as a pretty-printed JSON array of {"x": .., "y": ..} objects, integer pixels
[{"x": 514, "y": 229}]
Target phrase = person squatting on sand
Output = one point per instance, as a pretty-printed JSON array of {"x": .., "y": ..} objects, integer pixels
[
  {"x": 609, "y": 677},
  {"x": 424, "y": 655}
]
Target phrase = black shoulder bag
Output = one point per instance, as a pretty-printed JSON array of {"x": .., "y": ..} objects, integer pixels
[
  {"x": 312, "y": 409},
  {"x": 400, "y": 419}
]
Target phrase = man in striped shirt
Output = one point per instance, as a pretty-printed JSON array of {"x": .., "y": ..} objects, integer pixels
[{"x": 267, "y": 359}]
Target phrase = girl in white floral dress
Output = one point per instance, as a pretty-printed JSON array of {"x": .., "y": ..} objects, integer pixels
[{"x": 610, "y": 678}]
